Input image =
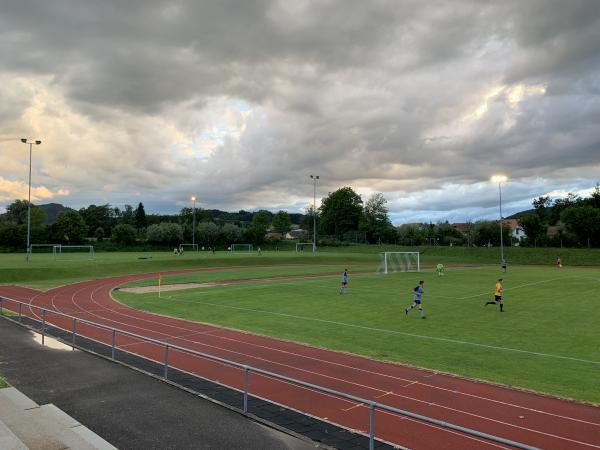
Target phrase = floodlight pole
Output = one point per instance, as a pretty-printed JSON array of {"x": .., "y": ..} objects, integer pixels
[
  {"x": 500, "y": 179},
  {"x": 314, "y": 178},
  {"x": 194, "y": 222},
  {"x": 36, "y": 142},
  {"x": 501, "y": 233}
]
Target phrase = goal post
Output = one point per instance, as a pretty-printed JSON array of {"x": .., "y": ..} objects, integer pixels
[
  {"x": 190, "y": 247},
  {"x": 301, "y": 246},
  {"x": 399, "y": 262},
  {"x": 71, "y": 252},
  {"x": 241, "y": 248},
  {"x": 42, "y": 248}
]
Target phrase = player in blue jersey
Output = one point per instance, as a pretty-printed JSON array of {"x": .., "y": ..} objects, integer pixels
[
  {"x": 418, "y": 297},
  {"x": 344, "y": 287}
]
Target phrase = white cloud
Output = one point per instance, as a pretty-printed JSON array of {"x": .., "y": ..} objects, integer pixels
[{"x": 240, "y": 102}]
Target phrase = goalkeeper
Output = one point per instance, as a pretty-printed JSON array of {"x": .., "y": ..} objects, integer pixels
[{"x": 440, "y": 269}]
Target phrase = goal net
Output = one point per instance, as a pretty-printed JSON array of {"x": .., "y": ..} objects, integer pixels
[
  {"x": 241, "y": 248},
  {"x": 188, "y": 247},
  {"x": 399, "y": 262},
  {"x": 42, "y": 248},
  {"x": 302, "y": 246},
  {"x": 73, "y": 252}
]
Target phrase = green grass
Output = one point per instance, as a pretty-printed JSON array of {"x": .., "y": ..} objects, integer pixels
[
  {"x": 546, "y": 340},
  {"x": 43, "y": 273},
  {"x": 3, "y": 383}
]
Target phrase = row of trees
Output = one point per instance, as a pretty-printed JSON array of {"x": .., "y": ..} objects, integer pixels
[
  {"x": 575, "y": 221},
  {"x": 342, "y": 215}
]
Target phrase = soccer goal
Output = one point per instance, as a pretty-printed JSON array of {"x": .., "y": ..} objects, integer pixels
[
  {"x": 73, "y": 252},
  {"x": 301, "y": 246},
  {"x": 42, "y": 248},
  {"x": 241, "y": 248},
  {"x": 399, "y": 262},
  {"x": 190, "y": 247}
]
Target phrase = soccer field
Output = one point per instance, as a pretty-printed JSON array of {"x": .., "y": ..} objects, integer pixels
[{"x": 547, "y": 339}]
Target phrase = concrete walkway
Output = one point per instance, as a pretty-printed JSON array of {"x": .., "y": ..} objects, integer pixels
[
  {"x": 26, "y": 425},
  {"x": 127, "y": 409}
]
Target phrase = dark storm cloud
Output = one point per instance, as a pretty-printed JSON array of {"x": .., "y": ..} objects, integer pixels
[{"x": 399, "y": 97}]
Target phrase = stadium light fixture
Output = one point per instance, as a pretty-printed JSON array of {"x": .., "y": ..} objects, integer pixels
[
  {"x": 500, "y": 179},
  {"x": 194, "y": 221},
  {"x": 30, "y": 143},
  {"x": 314, "y": 178}
]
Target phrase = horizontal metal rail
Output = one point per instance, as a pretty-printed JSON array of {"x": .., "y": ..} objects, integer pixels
[{"x": 372, "y": 405}]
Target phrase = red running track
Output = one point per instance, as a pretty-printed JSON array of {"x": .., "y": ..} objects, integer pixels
[{"x": 540, "y": 421}]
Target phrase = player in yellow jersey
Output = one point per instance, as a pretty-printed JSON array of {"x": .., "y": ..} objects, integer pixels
[{"x": 497, "y": 296}]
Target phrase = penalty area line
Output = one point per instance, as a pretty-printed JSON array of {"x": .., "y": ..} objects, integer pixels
[{"x": 400, "y": 333}]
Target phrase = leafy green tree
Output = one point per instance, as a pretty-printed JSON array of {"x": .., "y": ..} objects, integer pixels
[
  {"x": 16, "y": 213},
  {"x": 124, "y": 234},
  {"x": 165, "y": 233},
  {"x": 99, "y": 234},
  {"x": 307, "y": 221},
  {"x": 70, "y": 228},
  {"x": 375, "y": 221},
  {"x": 533, "y": 226},
  {"x": 257, "y": 230},
  {"x": 542, "y": 207},
  {"x": 281, "y": 222},
  {"x": 230, "y": 234},
  {"x": 340, "y": 212},
  {"x": 594, "y": 200},
  {"x": 140, "y": 217},
  {"x": 561, "y": 204},
  {"x": 411, "y": 234},
  {"x": 584, "y": 222},
  {"x": 127, "y": 216},
  {"x": 97, "y": 217},
  {"x": 12, "y": 235},
  {"x": 447, "y": 234},
  {"x": 262, "y": 218},
  {"x": 489, "y": 232},
  {"x": 208, "y": 233}
]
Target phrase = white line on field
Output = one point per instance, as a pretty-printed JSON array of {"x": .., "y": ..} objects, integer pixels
[
  {"x": 517, "y": 287},
  {"x": 402, "y": 333}
]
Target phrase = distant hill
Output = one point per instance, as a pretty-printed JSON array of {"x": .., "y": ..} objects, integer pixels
[
  {"x": 53, "y": 210},
  {"x": 521, "y": 214}
]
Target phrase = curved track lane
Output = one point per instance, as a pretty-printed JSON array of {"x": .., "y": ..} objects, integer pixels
[{"x": 536, "y": 420}]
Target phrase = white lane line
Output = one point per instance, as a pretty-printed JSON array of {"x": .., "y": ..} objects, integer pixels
[
  {"x": 396, "y": 332},
  {"x": 395, "y": 394},
  {"x": 423, "y": 384}
]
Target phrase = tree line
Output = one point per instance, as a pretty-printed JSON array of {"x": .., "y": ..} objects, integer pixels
[
  {"x": 573, "y": 220},
  {"x": 342, "y": 217}
]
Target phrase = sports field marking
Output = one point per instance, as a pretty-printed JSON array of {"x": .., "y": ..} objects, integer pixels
[
  {"x": 380, "y": 390},
  {"x": 519, "y": 286},
  {"x": 395, "y": 332},
  {"x": 363, "y": 370},
  {"x": 108, "y": 309}
]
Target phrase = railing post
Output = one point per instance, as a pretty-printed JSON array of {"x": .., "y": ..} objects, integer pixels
[
  {"x": 20, "y": 314},
  {"x": 1, "y": 306},
  {"x": 74, "y": 333},
  {"x": 372, "y": 426},
  {"x": 166, "y": 369},
  {"x": 43, "y": 325},
  {"x": 112, "y": 349},
  {"x": 245, "y": 389}
]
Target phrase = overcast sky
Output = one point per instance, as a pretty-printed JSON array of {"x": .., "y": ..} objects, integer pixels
[{"x": 238, "y": 102}]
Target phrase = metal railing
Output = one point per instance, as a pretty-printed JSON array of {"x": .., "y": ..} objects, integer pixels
[{"x": 373, "y": 406}]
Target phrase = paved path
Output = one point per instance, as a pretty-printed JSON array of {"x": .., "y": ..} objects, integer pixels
[{"x": 128, "y": 409}]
